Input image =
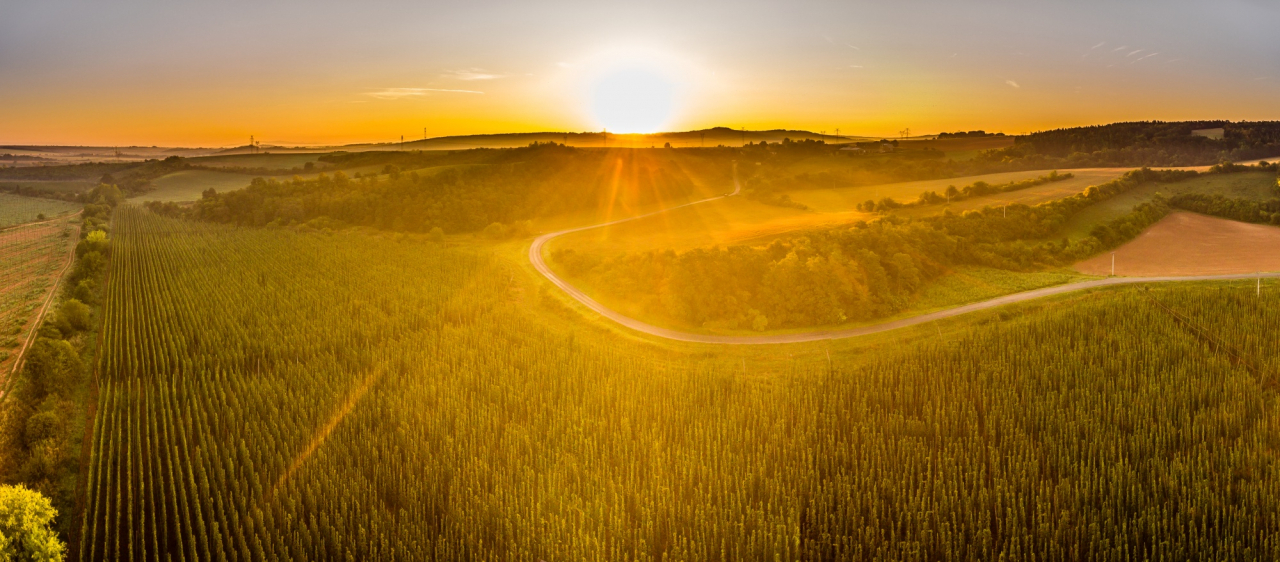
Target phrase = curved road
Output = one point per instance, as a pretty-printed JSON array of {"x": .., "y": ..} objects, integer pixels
[{"x": 535, "y": 256}]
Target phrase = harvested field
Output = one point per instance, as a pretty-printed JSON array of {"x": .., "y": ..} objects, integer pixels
[{"x": 1190, "y": 244}]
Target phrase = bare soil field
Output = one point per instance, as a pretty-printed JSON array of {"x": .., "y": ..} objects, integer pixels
[{"x": 1190, "y": 244}]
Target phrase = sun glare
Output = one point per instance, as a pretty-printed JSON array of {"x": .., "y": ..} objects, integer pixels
[{"x": 633, "y": 99}]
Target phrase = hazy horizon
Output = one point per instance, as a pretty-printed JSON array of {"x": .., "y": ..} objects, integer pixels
[{"x": 188, "y": 75}]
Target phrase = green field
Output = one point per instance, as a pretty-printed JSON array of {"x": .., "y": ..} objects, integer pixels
[
  {"x": 16, "y": 209},
  {"x": 472, "y": 414},
  {"x": 187, "y": 185},
  {"x": 1258, "y": 186}
]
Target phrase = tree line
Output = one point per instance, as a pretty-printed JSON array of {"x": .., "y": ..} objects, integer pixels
[{"x": 525, "y": 183}]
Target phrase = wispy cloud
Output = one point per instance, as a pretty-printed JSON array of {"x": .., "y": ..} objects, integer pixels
[
  {"x": 1120, "y": 48},
  {"x": 1012, "y": 83},
  {"x": 852, "y": 47},
  {"x": 472, "y": 74},
  {"x": 1098, "y": 45},
  {"x": 855, "y": 66},
  {"x": 1134, "y": 52},
  {"x": 402, "y": 93},
  {"x": 1143, "y": 57}
]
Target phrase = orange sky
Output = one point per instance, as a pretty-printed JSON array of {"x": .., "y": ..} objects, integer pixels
[{"x": 178, "y": 74}]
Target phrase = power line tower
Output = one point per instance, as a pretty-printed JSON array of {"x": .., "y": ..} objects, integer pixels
[
  {"x": 424, "y": 133},
  {"x": 905, "y": 132},
  {"x": 837, "y": 134},
  {"x": 401, "y": 143}
]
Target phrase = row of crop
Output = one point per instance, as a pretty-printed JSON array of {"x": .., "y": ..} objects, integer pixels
[{"x": 280, "y": 396}]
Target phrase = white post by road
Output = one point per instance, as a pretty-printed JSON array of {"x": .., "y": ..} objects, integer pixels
[{"x": 1113, "y": 264}]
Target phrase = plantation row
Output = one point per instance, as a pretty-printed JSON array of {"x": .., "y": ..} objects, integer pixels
[{"x": 273, "y": 395}]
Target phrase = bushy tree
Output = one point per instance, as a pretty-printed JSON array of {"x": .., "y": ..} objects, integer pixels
[{"x": 26, "y": 526}]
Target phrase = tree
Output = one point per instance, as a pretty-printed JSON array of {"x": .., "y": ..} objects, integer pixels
[
  {"x": 76, "y": 313},
  {"x": 26, "y": 533},
  {"x": 436, "y": 234}
]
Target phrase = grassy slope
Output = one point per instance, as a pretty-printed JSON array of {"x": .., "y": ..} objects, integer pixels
[
  {"x": 186, "y": 185},
  {"x": 1247, "y": 185}
]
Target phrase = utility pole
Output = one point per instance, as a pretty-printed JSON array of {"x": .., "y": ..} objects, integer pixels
[
  {"x": 424, "y": 133},
  {"x": 837, "y": 134},
  {"x": 401, "y": 143},
  {"x": 1113, "y": 264},
  {"x": 253, "y": 147},
  {"x": 1259, "y": 284}
]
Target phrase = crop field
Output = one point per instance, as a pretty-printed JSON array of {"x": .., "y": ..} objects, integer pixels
[
  {"x": 1190, "y": 244},
  {"x": 1258, "y": 186},
  {"x": 243, "y": 415},
  {"x": 17, "y": 209},
  {"x": 31, "y": 257}
]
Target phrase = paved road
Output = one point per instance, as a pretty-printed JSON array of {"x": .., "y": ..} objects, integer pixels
[{"x": 535, "y": 256}]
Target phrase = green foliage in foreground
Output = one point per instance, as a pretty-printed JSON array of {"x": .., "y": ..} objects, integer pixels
[
  {"x": 269, "y": 394},
  {"x": 26, "y": 518}
]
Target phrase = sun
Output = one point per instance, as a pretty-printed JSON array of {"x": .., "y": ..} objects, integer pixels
[{"x": 633, "y": 98}]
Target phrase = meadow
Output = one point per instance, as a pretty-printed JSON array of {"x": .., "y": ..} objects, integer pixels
[
  {"x": 18, "y": 209},
  {"x": 475, "y": 415},
  {"x": 31, "y": 259}
]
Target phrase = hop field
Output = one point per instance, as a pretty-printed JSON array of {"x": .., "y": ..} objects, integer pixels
[{"x": 269, "y": 394}]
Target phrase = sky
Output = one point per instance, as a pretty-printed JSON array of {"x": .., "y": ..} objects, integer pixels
[{"x": 214, "y": 73}]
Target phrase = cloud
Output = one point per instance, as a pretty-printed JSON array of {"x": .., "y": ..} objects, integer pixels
[
  {"x": 1098, "y": 45},
  {"x": 1143, "y": 57},
  {"x": 472, "y": 74},
  {"x": 402, "y": 93},
  {"x": 1134, "y": 53},
  {"x": 1120, "y": 48},
  {"x": 855, "y": 66},
  {"x": 852, "y": 47},
  {"x": 1012, "y": 83}
]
